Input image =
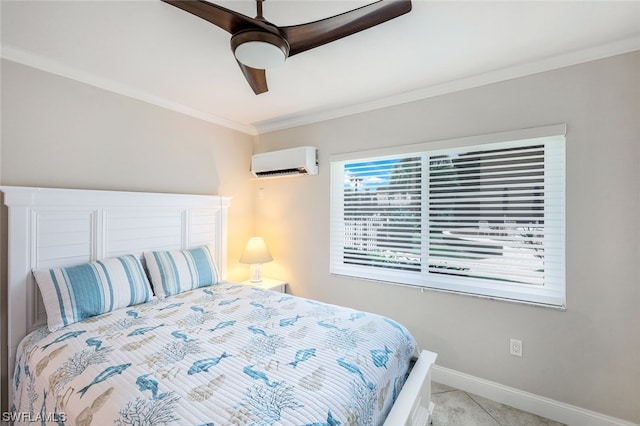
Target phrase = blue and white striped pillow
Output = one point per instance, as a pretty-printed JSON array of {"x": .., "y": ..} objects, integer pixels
[
  {"x": 176, "y": 271},
  {"x": 78, "y": 292}
]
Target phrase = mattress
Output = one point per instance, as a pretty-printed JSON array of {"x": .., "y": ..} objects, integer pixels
[{"x": 228, "y": 354}]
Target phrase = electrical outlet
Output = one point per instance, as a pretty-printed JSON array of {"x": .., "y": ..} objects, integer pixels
[{"x": 515, "y": 347}]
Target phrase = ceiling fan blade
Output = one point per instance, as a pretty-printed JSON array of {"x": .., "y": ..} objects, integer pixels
[
  {"x": 313, "y": 34},
  {"x": 256, "y": 78},
  {"x": 227, "y": 19}
]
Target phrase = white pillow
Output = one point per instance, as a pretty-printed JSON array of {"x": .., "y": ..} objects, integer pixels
[
  {"x": 78, "y": 292},
  {"x": 176, "y": 271}
]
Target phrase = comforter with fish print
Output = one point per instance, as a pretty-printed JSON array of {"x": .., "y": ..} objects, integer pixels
[{"x": 223, "y": 355}]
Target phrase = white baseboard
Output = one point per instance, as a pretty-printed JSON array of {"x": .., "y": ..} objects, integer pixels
[{"x": 545, "y": 407}]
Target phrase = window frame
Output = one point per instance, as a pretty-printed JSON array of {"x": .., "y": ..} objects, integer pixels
[{"x": 552, "y": 293}]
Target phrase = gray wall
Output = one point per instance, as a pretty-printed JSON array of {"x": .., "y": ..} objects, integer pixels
[
  {"x": 61, "y": 133},
  {"x": 588, "y": 355},
  {"x": 57, "y": 132}
]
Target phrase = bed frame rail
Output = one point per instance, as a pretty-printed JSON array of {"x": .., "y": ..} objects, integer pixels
[{"x": 414, "y": 407}]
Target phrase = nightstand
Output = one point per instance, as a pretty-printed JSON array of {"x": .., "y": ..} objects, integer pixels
[{"x": 269, "y": 284}]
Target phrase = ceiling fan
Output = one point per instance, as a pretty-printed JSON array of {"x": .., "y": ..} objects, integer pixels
[{"x": 258, "y": 44}]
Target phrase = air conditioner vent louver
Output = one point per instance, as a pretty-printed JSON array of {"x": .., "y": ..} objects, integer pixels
[
  {"x": 285, "y": 172},
  {"x": 286, "y": 162}
]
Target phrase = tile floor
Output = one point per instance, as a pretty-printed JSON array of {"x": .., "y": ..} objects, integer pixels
[{"x": 454, "y": 407}]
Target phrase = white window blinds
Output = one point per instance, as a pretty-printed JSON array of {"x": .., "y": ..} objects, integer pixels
[
  {"x": 482, "y": 219},
  {"x": 381, "y": 217}
]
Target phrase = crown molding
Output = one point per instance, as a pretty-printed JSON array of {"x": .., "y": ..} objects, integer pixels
[
  {"x": 310, "y": 117},
  {"x": 547, "y": 64},
  {"x": 54, "y": 67}
]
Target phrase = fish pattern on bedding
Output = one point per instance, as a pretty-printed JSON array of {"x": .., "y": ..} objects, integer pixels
[{"x": 228, "y": 354}]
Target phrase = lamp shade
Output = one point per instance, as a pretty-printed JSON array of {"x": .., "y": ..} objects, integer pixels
[{"x": 256, "y": 252}]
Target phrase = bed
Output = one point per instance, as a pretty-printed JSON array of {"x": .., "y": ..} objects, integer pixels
[{"x": 198, "y": 354}]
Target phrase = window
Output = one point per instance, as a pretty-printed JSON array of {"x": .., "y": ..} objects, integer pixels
[{"x": 473, "y": 216}]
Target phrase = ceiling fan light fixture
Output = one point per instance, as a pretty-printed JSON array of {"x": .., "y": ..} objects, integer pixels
[{"x": 259, "y": 49}]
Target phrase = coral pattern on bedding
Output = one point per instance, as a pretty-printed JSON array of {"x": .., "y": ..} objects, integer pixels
[{"x": 228, "y": 354}]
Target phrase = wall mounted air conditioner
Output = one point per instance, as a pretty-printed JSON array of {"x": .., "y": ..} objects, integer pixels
[{"x": 286, "y": 162}]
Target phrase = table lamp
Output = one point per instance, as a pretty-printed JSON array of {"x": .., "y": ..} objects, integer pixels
[{"x": 256, "y": 253}]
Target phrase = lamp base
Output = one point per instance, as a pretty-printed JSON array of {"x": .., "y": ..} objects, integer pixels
[{"x": 256, "y": 273}]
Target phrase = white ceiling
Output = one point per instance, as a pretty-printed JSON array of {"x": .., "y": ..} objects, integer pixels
[{"x": 155, "y": 52}]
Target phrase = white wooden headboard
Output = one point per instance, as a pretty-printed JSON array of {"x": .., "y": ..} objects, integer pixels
[{"x": 63, "y": 227}]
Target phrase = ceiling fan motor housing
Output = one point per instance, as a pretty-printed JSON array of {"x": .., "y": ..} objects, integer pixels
[{"x": 259, "y": 49}]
